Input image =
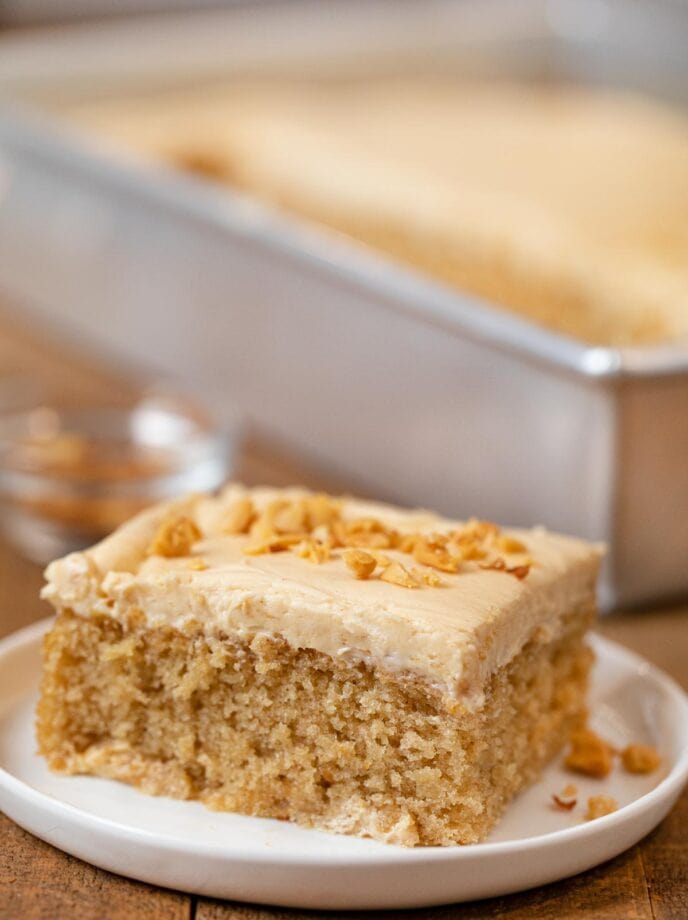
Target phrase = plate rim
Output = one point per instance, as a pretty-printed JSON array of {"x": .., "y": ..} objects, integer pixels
[{"x": 667, "y": 789}]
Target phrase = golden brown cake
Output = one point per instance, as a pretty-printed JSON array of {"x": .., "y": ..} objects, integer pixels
[
  {"x": 349, "y": 666},
  {"x": 565, "y": 205}
]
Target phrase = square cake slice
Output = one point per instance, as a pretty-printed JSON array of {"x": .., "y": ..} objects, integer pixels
[{"x": 349, "y": 666}]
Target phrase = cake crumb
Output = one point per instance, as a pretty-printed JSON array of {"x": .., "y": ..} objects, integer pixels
[
  {"x": 174, "y": 537},
  {"x": 640, "y": 758},
  {"x": 125, "y": 648},
  {"x": 589, "y": 754},
  {"x": 599, "y": 806},
  {"x": 362, "y": 564}
]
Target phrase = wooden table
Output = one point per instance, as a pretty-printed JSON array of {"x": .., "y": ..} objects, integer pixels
[{"x": 38, "y": 881}]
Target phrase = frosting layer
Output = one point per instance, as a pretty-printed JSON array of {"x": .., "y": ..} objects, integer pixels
[{"x": 455, "y": 635}]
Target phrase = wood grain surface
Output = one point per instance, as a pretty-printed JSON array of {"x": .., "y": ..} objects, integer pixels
[{"x": 37, "y": 881}]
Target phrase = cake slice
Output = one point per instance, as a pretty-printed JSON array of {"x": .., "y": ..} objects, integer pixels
[{"x": 349, "y": 666}]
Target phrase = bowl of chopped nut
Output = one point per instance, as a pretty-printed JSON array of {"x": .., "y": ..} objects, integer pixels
[{"x": 70, "y": 476}]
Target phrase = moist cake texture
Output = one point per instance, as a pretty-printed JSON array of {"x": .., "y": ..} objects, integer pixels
[
  {"x": 566, "y": 205},
  {"x": 345, "y": 665}
]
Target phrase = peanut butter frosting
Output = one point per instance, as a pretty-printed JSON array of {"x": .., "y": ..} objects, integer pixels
[
  {"x": 564, "y": 204},
  {"x": 449, "y": 601}
]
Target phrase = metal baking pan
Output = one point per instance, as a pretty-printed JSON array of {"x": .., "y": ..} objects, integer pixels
[{"x": 423, "y": 394}]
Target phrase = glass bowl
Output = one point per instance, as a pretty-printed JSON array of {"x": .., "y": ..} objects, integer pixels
[{"x": 69, "y": 477}]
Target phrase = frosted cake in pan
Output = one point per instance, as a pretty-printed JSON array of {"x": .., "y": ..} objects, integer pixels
[{"x": 566, "y": 205}]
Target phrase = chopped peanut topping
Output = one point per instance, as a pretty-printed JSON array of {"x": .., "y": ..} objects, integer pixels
[
  {"x": 510, "y": 544},
  {"x": 599, "y": 806},
  {"x": 314, "y": 529},
  {"x": 471, "y": 551},
  {"x": 240, "y": 516},
  {"x": 321, "y": 509},
  {"x": 362, "y": 564},
  {"x": 481, "y": 530},
  {"x": 432, "y": 551},
  {"x": 271, "y": 533},
  {"x": 366, "y": 540},
  {"x": 367, "y": 533},
  {"x": 272, "y": 544},
  {"x": 261, "y": 529},
  {"x": 640, "y": 758},
  {"x": 427, "y": 577},
  {"x": 174, "y": 537},
  {"x": 405, "y": 543},
  {"x": 291, "y": 518},
  {"x": 313, "y": 550},
  {"x": 397, "y": 574},
  {"x": 497, "y": 565},
  {"x": 337, "y": 533},
  {"x": 382, "y": 559},
  {"x": 520, "y": 571},
  {"x": 589, "y": 754}
]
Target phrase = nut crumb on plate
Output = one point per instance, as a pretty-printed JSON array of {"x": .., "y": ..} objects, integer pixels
[
  {"x": 589, "y": 754},
  {"x": 563, "y": 802},
  {"x": 640, "y": 758},
  {"x": 599, "y": 806}
]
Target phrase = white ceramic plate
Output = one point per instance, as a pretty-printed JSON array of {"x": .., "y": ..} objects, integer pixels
[{"x": 183, "y": 845}]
